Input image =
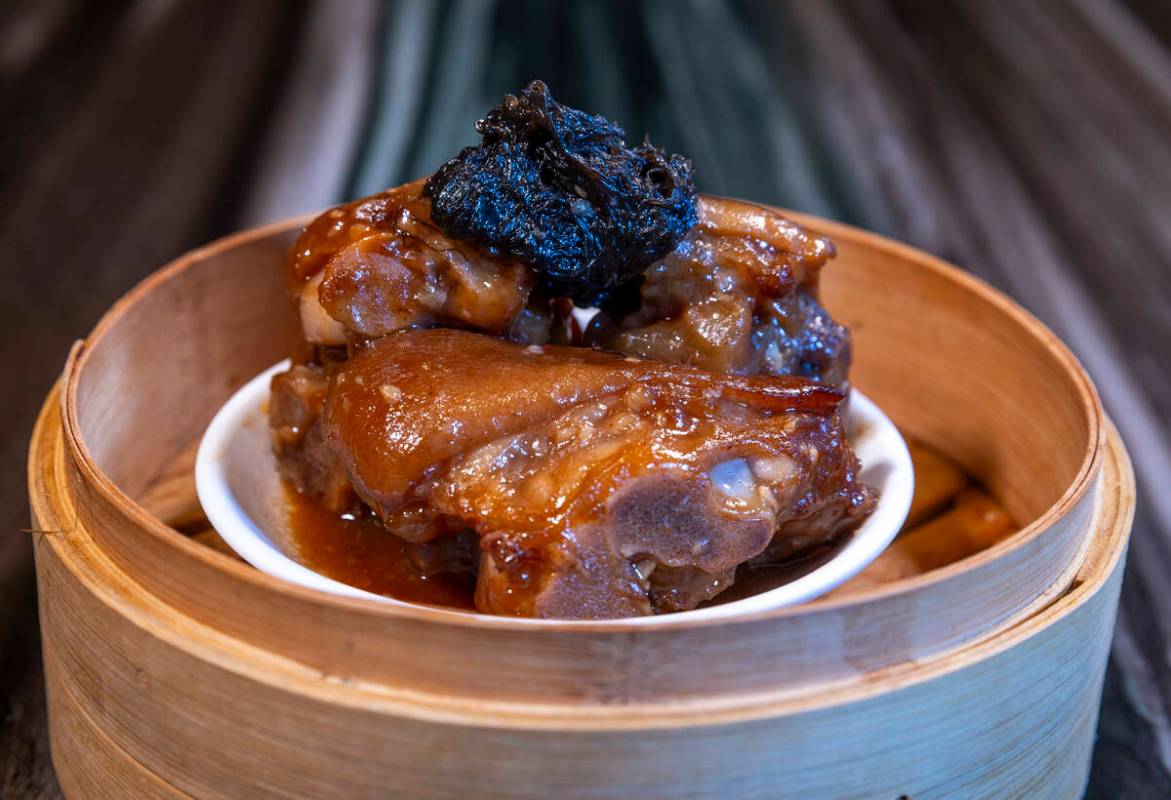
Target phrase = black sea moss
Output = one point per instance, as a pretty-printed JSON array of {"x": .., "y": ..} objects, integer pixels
[{"x": 559, "y": 190}]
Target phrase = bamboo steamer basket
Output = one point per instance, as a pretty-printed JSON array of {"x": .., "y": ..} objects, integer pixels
[{"x": 173, "y": 670}]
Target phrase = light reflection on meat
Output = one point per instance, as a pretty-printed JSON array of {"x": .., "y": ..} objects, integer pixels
[
  {"x": 598, "y": 485},
  {"x": 378, "y": 265},
  {"x": 590, "y": 486},
  {"x": 431, "y": 399}
]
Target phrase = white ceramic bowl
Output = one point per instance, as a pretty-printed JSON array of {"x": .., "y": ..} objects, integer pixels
[{"x": 241, "y": 493}]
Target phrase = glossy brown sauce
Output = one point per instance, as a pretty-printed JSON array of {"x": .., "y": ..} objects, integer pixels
[{"x": 363, "y": 554}]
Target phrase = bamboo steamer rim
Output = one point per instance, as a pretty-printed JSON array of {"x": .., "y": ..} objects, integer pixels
[
  {"x": 1106, "y": 545},
  {"x": 186, "y": 548}
]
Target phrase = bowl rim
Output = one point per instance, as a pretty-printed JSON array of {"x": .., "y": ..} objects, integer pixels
[{"x": 114, "y": 496}]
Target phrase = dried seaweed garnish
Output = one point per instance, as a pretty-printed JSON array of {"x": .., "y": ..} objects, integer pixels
[{"x": 559, "y": 190}]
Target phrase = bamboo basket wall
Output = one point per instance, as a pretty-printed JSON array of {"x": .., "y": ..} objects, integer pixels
[{"x": 174, "y": 670}]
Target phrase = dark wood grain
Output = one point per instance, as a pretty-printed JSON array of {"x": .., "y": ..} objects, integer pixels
[
  {"x": 136, "y": 124},
  {"x": 1027, "y": 142}
]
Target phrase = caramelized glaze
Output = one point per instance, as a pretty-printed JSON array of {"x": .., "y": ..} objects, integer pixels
[
  {"x": 599, "y": 485},
  {"x": 378, "y": 264},
  {"x": 587, "y": 484}
]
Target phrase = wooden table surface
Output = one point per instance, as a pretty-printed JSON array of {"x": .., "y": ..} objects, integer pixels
[{"x": 1029, "y": 142}]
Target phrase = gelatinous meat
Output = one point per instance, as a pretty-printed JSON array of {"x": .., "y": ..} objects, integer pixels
[
  {"x": 738, "y": 295},
  {"x": 298, "y": 440},
  {"x": 579, "y": 483},
  {"x": 559, "y": 190},
  {"x": 297, "y": 397},
  {"x": 599, "y": 485},
  {"x": 377, "y": 265}
]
